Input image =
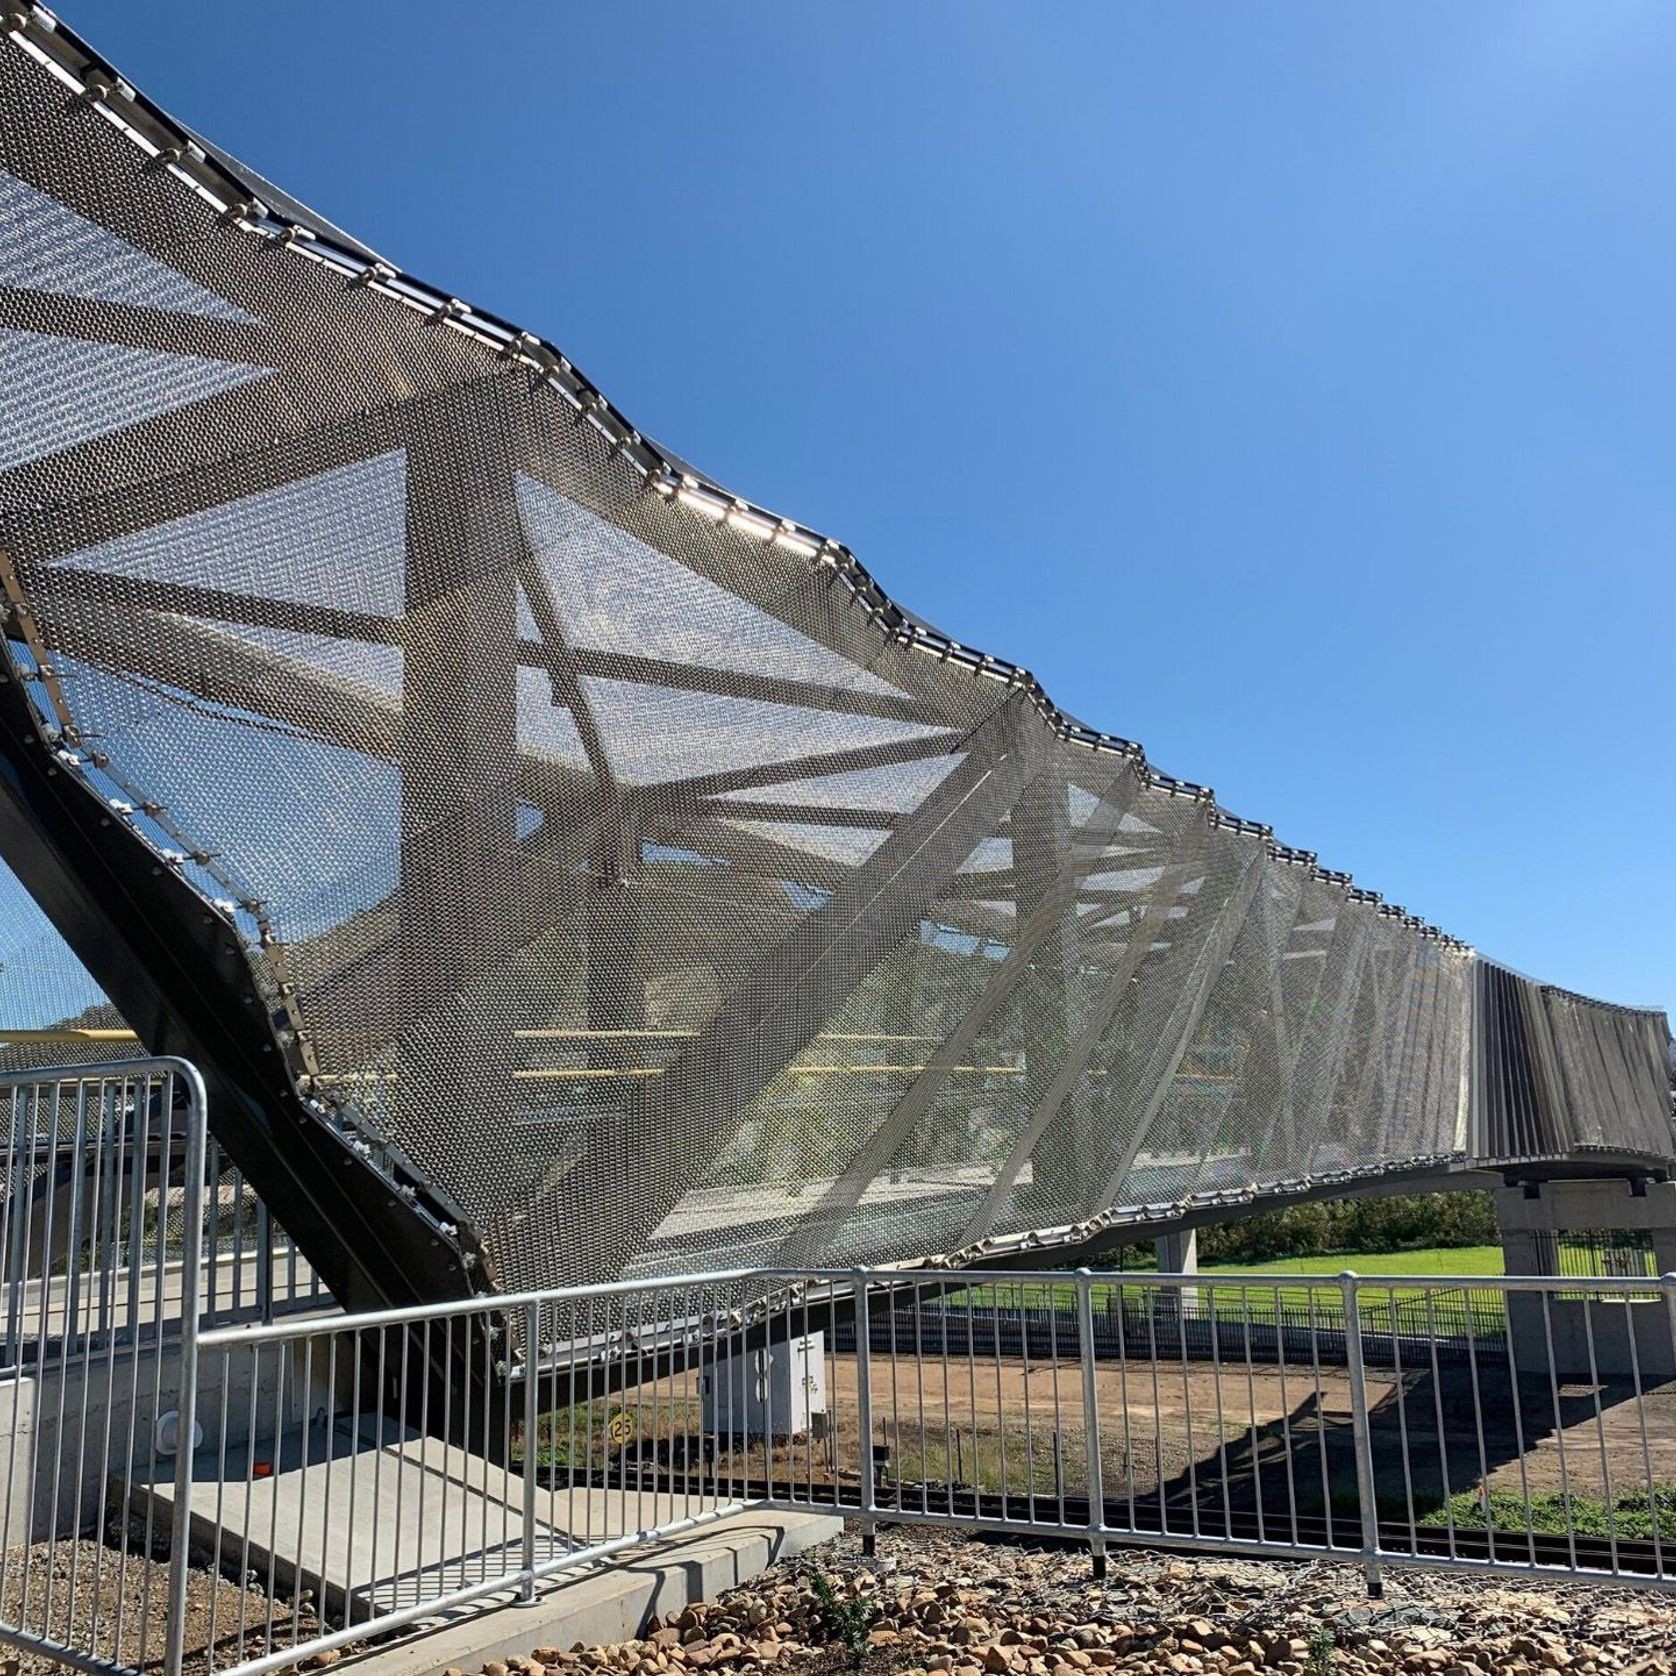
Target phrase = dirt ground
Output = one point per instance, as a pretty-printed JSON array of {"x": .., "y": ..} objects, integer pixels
[
  {"x": 1197, "y": 1432},
  {"x": 1158, "y": 1418}
]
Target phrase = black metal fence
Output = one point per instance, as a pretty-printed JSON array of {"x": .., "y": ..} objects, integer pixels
[{"x": 1266, "y": 1323}]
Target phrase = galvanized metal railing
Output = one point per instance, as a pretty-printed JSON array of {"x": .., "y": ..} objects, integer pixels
[
  {"x": 89, "y": 1231},
  {"x": 625, "y": 1413},
  {"x": 92, "y": 1168},
  {"x": 253, "y": 1269},
  {"x": 1189, "y": 1418},
  {"x": 123, "y": 1231},
  {"x": 240, "y": 1494}
]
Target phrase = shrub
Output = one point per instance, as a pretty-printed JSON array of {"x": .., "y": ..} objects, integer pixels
[
  {"x": 1405, "y": 1222},
  {"x": 847, "y": 1620}
]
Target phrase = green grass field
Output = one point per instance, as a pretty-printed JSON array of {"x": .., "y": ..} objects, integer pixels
[
  {"x": 1246, "y": 1290},
  {"x": 1322, "y": 1304},
  {"x": 1452, "y": 1260},
  {"x": 1464, "y": 1261},
  {"x": 1402, "y": 1305}
]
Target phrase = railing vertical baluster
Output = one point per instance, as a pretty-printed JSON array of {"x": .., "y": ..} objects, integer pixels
[
  {"x": 532, "y": 1415},
  {"x": 864, "y": 1412},
  {"x": 1667, "y": 1289},
  {"x": 1362, "y": 1434},
  {"x": 192, "y": 1245},
  {"x": 1655, "y": 1501},
  {"x": 11, "y": 1223},
  {"x": 1096, "y": 1479}
]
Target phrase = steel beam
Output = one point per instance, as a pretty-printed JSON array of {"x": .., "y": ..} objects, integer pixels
[
  {"x": 458, "y": 868},
  {"x": 1253, "y": 971},
  {"x": 1049, "y": 1102},
  {"x": 685, "y": 1116},
  {"x": 1177, "y": 1035},
  {"x": 809, "y": 1242}
]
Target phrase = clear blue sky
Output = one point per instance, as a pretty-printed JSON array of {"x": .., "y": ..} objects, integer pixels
[{"x": 1290, "y": 386}]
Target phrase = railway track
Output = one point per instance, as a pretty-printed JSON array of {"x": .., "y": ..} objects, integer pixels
[{"x": 1275, "y": 1530}]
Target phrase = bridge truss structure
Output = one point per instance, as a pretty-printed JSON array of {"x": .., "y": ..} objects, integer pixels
[{"x": 563, "y": 869}]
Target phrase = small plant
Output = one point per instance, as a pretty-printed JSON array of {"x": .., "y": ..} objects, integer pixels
[
  {"x": 846, "y": 1621},
  {"x": 1322, "y": 1645}
]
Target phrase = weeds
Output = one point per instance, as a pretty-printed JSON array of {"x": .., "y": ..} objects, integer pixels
[
  {"x": 847, "y": 1621},
  {"x": 1322, "y": 1645},
  {"x": 1628, "y": 1516}
]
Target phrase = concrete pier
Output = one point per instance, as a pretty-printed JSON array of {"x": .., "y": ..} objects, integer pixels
[
  {"x": 1178, "y": 1253},
  {"x": 1589, "y": 1336}
]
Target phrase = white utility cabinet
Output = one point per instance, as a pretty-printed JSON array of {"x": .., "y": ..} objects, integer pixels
[{"x": 776, "y": 1391}]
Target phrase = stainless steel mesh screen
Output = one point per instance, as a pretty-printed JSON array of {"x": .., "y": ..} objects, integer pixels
[{"x": 616, "y": 855}]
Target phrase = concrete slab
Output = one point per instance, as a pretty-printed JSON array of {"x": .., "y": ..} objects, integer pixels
[
  {"x": 384, "y": 1519},
  {"x": 609, "y": 1600}
]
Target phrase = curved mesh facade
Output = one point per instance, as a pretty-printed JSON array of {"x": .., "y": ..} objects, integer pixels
[{"x": 611, "y": 859}]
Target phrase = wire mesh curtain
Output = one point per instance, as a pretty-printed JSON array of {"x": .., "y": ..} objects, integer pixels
[{"x": 605, "y": 849}]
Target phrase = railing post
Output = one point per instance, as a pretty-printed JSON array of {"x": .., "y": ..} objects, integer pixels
[
  {"x": 864, "y": 1412},
  {"x": 532, "y": 1416},
  {"x": 192, "y": 1259},
  {"x": 17, "y": 1253},
  {"x": 1362, "y": 1433},
  {"x": 1091, "y": 1424}
]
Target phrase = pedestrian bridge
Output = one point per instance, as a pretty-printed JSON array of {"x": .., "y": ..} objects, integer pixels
[{"x": 562, "y": 868}]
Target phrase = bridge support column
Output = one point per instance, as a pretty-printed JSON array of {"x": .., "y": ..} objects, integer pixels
[
  {"x": 1534, "y": 1222},
  {"x": 1178, "y": 1253}
]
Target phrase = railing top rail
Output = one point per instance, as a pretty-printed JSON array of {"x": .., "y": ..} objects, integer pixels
[
  {"x": 563, "y": 1294},
  {"x": 904, "y": 1280},
  {"x": 109, "y": 1070}
]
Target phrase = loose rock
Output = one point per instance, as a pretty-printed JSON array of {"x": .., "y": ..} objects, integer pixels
[{"x": 945, "y": 1605}]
